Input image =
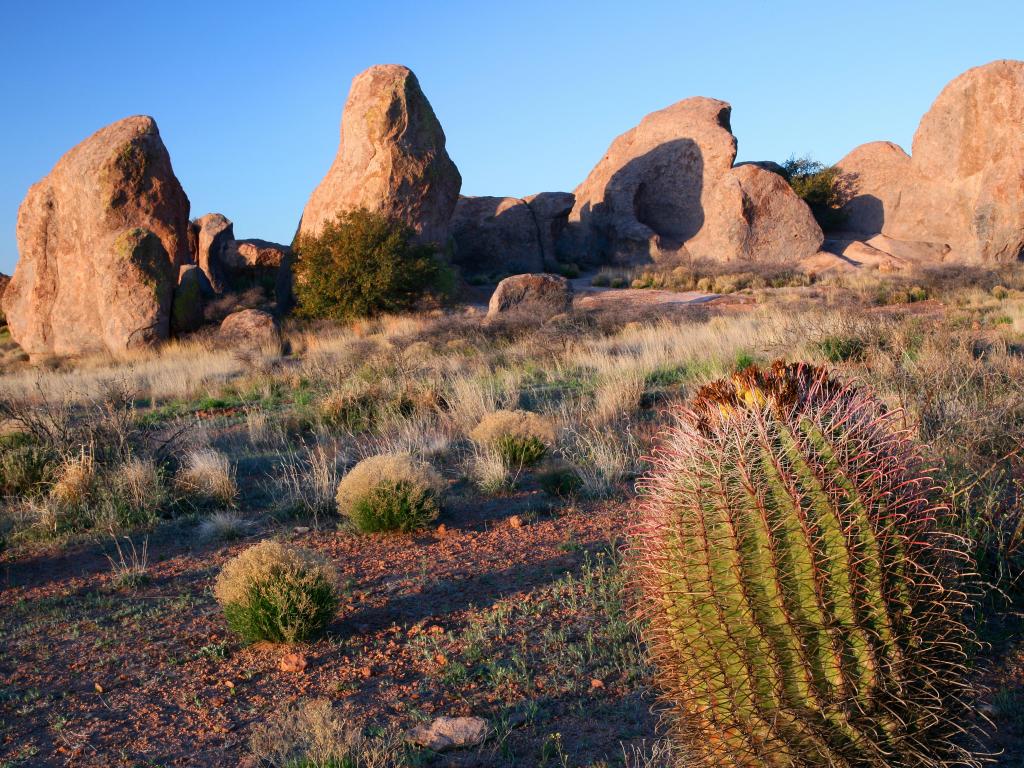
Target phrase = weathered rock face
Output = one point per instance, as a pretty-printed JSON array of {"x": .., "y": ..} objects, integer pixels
[
  {"x": 210, "y": 238},
  {"x": 249, "y": 329},
  {"x": 967, "y": 189},
  {"x": 392, "y": 158},
  {"x": 187, "y": 304},
  {"x": 100, "y": 240},
  {"x": 753, "y": 215},
  {"x": 647, "y": 196},
  {"x": 551, "y": 212},
  {"x": 4, "y": 282},
  {"x": 540, "y": 295},
  {"x": 959, "y": 196},
  {"x": 875, "y": 174},
  {"x": 495, "y": 236}
]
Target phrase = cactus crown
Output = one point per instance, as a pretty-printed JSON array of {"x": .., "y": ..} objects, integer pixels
[{"x": 800, "y": 595}]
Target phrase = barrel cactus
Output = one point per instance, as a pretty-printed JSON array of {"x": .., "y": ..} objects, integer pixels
[{"x": 800, "y": 598}]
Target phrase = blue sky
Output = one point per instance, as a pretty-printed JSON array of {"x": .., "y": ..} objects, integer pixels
[{"x": 248, "y": 95}]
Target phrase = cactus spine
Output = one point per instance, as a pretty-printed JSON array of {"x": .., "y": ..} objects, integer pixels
[{"x": 799, "y": 594}]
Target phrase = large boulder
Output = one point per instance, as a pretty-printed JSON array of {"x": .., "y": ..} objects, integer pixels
[
  {"x": 391, "y": 158},
  {"x": 873, "y": 175},
  {"x": 967, "y": 188},
  {"x": 539, "y": 295},
  {"x": 495, "y": 236},
  {"x": 753, "y": 215},
  {"x": 101, "y": 239},
  {"x": 647, "y": 196},
  {"x": 551, "y": 212},
  {"x": 250, "y": 329}
]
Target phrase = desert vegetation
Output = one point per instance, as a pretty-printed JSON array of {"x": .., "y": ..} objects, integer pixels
[{"x": 433, "y": 513}]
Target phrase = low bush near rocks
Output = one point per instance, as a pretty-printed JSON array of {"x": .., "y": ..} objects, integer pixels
[
  {"x": 820, "y": 186},
  {"x": 278, "y": 593},
  {"x": 362, "y": 264},
  {"x": 25, "y": 466},
  {"x": 390, "y": 492},
  {"x": 521, "y": 438}
]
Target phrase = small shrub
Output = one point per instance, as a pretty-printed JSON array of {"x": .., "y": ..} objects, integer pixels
[
  {"x": 390, "y": 492},
  {"x": 135, "y": 492},
  {"x": 491, "y": 472},
  {"x": 821, "y": 187},
  {"x": 569, "y": 271},
  {"x": 312, "y": 734},
  {"x": 224, "y": 525},
  {"x": 840, "y": 349},
  {"x": 26, "y": 467},
  {"x": 521, "y": 438},
  {"x": 363, "y": 264},
  {"x": 1000, "y": 292},
  {"x": 208, "y": 475},
  {"x": 562, "y": 481},
  {"x": 277, "y": 592},
  {"x": 130, "y": 569},
  {"x": 601, "y": 280}
]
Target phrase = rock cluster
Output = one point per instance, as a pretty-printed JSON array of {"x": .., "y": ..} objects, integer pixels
[{"x": 959, "y": 196}]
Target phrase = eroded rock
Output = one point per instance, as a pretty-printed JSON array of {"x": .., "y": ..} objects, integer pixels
[{"x": 540, "y": 295}]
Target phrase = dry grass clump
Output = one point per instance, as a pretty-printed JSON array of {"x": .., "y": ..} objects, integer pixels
[
  {"x": 137, "y": 483},
  {"x": 312, "y": 734},
  {"x": 224, "y": 525},
  {"x": 75, "y": 480},
  {"x": 520, "y": 437},
  {"x": 309, "y": 482},
  {"x": 390, "y": 492},
  {"x": 276, "y": 592},
  {"x": 208, "y": 474}
]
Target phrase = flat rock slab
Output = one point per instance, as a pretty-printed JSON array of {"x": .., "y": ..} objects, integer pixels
[
  {"x": 446, "y": 733},
  {"x": 642, "y": 296}
]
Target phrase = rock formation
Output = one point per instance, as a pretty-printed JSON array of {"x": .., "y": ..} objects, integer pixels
[
  {"x": 667, "y": 189},
  {"x": 753, "y": 215},
  {"x": 187, "y": 306},
  {"x": 551, "y": 212},
  {"x": 101, "y": 240},
  {"x": 540, "y": 295},
  {"x": 874, "y": 173},
  {"x": 495, "y": 236},
  {"x": 646, "y": 197},
  {"x": 960, "y": 194},
  {"x": 210, "y": 236},
  {"x": 391, "y": 158}
]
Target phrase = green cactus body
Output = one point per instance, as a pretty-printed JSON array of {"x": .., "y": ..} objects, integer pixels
[{"x": 800, "y": 597}]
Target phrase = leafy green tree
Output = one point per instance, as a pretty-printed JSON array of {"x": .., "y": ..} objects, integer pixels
[
  {"x": 362, "y": 264},
  {"x": 821, "y": 187}
]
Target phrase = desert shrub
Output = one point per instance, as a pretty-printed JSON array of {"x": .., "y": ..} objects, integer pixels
[
  {"x": 26, "y": 467},
  {"x": 308, "y": 482},
  {"x": 363, "y": 264},
  {"x": 618, "y": 282},
  {"x": 569, "y": 271},
  {"x": 561, "y": 481},
  {"x": 821, "y": 187},
  {"x": 601, "y": 280},
  {"x": 207, "y": 476},
  {"x": 1000, "y": 292},
  {"x": 312, "y": 734},
  {"x": 75, "y": 481},
  {"x": 224, "y": 525},
  {"x": 278, "y": 593},
  {"x": 794, "y": 568},
  {"x": 840, "y": 349},
  {"x": 521, "y": 438},
  {"x": 390, "y": 492},
  {"x": 135, "y": 492}
]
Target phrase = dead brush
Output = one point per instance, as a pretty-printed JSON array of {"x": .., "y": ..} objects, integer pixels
[{"x": 207, "y": 476}]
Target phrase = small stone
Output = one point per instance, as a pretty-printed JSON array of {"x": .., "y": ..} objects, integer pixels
[
  {"x": 596, "y": 682},
  {"x": 293, "y": 662},
  {"x": 515, "y": 521},
  {"x": 366, "y": 672},
  {"x": 446, "y": 733},
  {"x": 300, "y": 529},
  {"x": 442, "y": 529}
]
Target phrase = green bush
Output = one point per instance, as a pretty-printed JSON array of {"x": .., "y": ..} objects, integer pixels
[
  {"x": 840, "y": 349},
  {"x": 563, "y": 482},
  {"x": 278, "y": 593},
  {"x": 601, "y": 280},
  {"x": 363, "y": 264},
  {"x": 520, "y": 450},
  {"x": 390, "y": 492},
  {"x": 821, "y": 187},
  {"x": 26, "y": 467},
  {"x": 400, "y": 506}
]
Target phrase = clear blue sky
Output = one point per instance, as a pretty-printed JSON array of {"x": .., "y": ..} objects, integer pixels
[{"x": 248, "y": 95}]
